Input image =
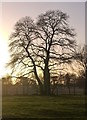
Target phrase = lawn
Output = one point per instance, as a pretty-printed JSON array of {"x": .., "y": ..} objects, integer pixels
[{"x": 64, "y": 106}]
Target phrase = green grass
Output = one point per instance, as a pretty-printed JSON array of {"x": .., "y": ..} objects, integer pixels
[{"x": 43, "y": 107}]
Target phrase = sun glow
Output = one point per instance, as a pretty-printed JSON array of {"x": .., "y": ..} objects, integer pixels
[{"x": 4, "y": 54}]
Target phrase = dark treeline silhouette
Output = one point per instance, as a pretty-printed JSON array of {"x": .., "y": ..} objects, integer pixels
[{"x": 67, "y": 84}]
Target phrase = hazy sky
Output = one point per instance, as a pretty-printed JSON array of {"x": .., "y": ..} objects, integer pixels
[{"x": 11, "y": 12}]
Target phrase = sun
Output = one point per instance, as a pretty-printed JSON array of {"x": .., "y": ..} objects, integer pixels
[{"x": 4, "y": 54}]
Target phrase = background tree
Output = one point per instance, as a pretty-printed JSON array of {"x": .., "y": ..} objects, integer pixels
[
  {"x": 7, "y": 80},
  {"x": 6, "y": 83},
  {"x": 82, "y": 59},
  {"x": 42, "y": 46}
]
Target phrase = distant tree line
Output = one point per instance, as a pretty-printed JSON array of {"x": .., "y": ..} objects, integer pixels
[{"x": 28, "y": 86}]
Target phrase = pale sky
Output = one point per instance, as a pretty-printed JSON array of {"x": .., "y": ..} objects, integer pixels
[{"x": 13, "y": 11}]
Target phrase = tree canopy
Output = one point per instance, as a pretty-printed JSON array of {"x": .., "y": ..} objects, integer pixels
[{"x": 42, "y": 46}]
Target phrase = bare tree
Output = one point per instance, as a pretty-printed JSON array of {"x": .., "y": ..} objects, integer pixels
[
  {"x": 42, "y": 46},
  {"x": 82, "y": 59}
]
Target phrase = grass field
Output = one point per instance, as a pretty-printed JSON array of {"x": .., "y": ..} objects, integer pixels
[{"x": 43, "y": 107}]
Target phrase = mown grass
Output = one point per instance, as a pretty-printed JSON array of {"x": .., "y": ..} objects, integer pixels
[{"x": 43, "y": 107}]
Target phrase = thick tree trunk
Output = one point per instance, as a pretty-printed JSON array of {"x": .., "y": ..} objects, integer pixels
[{"x": 47, "y": 89}]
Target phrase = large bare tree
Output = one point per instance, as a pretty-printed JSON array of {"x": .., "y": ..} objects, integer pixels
[{"x": 42, "y": 46}]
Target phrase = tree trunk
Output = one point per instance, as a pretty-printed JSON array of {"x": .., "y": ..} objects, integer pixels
[
  {"x": 47, "y": 90},
  {"x": 35, "y": 73},
  {"x": 39, "y": 83}
]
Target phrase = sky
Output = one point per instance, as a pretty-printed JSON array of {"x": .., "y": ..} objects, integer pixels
[{"x": 13, "y": 11}]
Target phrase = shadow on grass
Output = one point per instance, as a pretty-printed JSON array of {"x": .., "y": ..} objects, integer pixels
[{"x": 45, "y": 118}]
